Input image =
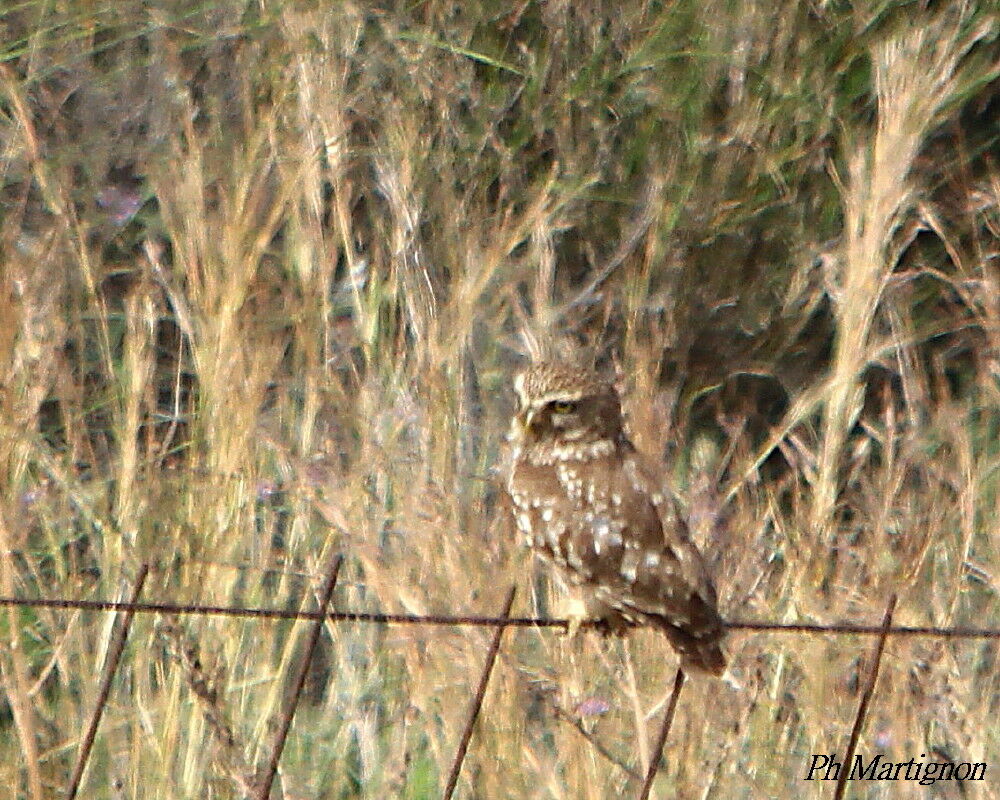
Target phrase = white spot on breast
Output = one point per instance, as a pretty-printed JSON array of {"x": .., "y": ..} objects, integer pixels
[
  {"x": 605, "y": 530},
  {"x": 547, "y": 515},
  {"x": 524, "y": 522},
  {"x": 652, "y": 559},
  {"x": 570, "y": 480},
  {"x": 630, "y": 564},
  {"x": 553, "y": 532}
]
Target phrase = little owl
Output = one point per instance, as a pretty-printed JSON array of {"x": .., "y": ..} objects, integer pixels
[{"x": 583, "y": 501}]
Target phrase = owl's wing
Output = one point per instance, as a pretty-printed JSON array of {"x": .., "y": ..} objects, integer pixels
[
  {"x": 671, "y": 528},
  {"x": 661, "y": 573}
]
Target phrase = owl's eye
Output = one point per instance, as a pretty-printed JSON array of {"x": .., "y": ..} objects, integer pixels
[{"x": 563, "y": 406}]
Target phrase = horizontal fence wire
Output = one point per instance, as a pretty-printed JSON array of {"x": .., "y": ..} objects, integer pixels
[
  {"x": 500, "y": 623},
  {"x": 473, "y": 620}
]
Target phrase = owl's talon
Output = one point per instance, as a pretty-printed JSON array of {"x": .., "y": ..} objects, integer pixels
[{"x": 572, "y": 627}]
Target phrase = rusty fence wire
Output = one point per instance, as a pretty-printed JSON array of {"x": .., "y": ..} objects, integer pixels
[{"x": 261, "y": 783}]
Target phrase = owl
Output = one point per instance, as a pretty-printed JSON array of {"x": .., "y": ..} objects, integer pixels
[{"x": 585, "y": 504}]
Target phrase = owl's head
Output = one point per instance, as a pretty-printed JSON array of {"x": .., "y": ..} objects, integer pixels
[{"x": 561, "y": 405}]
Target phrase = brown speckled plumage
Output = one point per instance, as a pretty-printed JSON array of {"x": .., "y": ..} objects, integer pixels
[{"x": 583, "y": 501}]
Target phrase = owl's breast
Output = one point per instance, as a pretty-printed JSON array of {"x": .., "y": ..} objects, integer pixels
[
  {"x": 539, "y": 508},
  {"x": 564, "y": 513}
]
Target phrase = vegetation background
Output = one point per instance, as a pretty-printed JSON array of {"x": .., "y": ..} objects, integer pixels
[{"x": 266, "y": 269}]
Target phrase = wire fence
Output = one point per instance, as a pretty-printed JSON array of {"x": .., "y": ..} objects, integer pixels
[{"x": 259, "y": 785}]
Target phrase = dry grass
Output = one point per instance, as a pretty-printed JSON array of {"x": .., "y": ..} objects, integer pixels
[{"x": 266, "y": 270}]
